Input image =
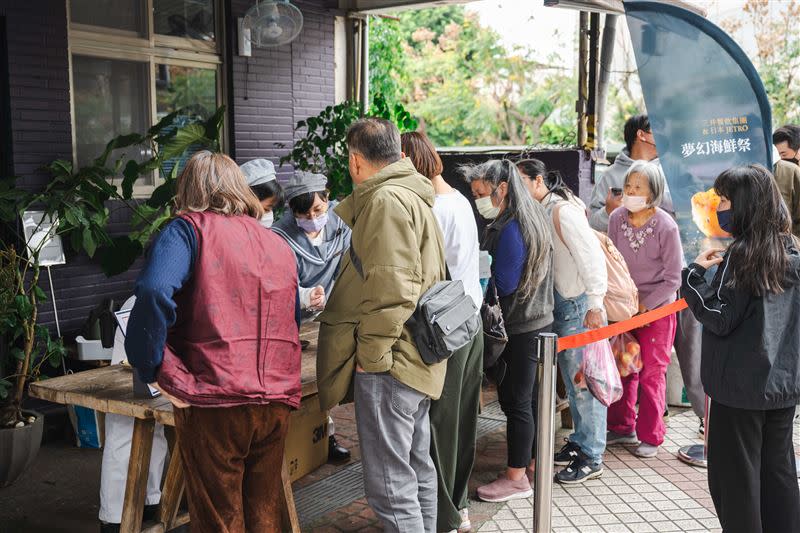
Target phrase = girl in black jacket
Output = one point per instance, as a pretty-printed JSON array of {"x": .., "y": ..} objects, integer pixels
[{"x": 751, "y": 355}]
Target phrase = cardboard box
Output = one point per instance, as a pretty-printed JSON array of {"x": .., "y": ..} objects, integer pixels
[{"x": 307, "y": 440}]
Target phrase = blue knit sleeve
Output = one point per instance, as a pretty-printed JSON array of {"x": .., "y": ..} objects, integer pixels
[
  {"x": 509, "y": 259},
  {"x": 168, "y": 268}
]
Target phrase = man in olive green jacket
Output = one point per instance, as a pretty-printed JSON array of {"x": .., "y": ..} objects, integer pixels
[
  {"x": 787, "y": 176},
  {"x": 397, "y": 254}
]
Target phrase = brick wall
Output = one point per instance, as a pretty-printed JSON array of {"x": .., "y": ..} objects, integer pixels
[
  {"x": 38, "y": 85},
  {"x": 283, "y": 85},
  {"x": 277, "y": 87}
]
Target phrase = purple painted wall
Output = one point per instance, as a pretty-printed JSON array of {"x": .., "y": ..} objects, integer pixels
[
  {"x": 271, "y": 91},
  {"x": 277, "y": 87}
]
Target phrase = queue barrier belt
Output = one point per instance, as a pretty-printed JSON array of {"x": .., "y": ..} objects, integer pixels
[{"x": 618, "y": 328}]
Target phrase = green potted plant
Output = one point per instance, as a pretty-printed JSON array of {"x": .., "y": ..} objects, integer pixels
[
  {"x": 75, "y": 206},
  {"x": 27, "y": 346},
  {"x": 322, "y": 147}
]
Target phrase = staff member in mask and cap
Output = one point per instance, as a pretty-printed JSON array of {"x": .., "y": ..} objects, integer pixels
[
  {"x": 260, "y": 175},
  {"x": 318, "y": 238}
]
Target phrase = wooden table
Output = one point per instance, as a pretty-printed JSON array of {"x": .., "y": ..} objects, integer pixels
[{"x": 110, "y": 390}]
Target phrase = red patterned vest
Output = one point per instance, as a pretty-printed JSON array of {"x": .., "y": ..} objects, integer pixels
[{"x": 235, "y": 340}]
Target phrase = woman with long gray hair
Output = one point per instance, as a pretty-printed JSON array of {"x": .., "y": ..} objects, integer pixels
[{"x": 521, "y": 247}]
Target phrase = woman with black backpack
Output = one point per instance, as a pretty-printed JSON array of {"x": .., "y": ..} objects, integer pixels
[{"x": 750, "y": 314}]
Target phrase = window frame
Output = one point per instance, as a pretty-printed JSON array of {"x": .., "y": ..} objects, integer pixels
[{"x": 152, "y": 49}]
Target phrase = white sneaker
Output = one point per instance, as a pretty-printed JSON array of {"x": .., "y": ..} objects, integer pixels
[
  {"x": 466, "y": 525},
  {"x": 646, "y": 450}
]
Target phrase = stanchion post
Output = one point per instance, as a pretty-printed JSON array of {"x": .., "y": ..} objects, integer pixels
[{"x": 543, "y": 485}]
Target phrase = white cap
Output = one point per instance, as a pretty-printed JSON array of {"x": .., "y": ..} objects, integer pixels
[
  {"x": 258, "y": 171},
  {"x": 303, "y": 182}
]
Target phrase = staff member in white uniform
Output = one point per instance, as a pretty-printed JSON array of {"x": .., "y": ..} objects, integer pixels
[{"x": 117, "y": 453}]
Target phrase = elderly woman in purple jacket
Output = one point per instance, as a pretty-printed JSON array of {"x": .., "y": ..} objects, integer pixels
[{"x": 648, "y": 239}]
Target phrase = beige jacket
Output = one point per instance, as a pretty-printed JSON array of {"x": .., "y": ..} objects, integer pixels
[{"x": 787, "y": 176}]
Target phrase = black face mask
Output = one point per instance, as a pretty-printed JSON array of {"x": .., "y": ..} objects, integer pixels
[{"x": 795, "y": 160}]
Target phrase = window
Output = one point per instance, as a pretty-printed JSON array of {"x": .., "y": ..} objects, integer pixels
[
  {"x": 126, "y": 15},
  {"x": 135, "y": 61},
  {"x": 110, "y": 98},
  {"x": 185, "y": 18},
  {"x": 189, "y": 88}
]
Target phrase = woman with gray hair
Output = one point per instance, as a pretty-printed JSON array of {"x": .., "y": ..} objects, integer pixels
[
  {"x": 648, "y": 239},
  {"x": 519, "y": 242}
]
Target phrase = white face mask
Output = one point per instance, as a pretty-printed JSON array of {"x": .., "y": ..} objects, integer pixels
[
  {"x": 634, "y": 204},
  {"x": 486, "y": 209},
  {"x": 267, "y": 219}
]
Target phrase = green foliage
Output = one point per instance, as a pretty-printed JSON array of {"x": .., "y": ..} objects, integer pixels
[
  {"x": 322, "y": 147},
  {"x": 457, "y": 78},
  {"x": 388, "y": 72},
  {"x": 396, "y": 113},
  {"x": 776, "y": 28},
  {"x": 79, "y": 202},
  {"x": 26, "y": 345},
  {"x": 434, "y": 20}
]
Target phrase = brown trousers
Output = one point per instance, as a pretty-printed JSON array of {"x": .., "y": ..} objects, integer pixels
[{"x": 232, "y": 459}]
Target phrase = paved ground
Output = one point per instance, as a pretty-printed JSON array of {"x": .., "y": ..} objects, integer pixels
[
  {"x": 60, "y": 493},
  {"x": 660, "y": 494}
]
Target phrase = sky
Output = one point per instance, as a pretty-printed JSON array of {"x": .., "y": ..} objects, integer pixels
[{"x": 528, "y": 23}]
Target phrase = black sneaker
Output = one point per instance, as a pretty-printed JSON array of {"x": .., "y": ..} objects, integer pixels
[
  {"x": 702, "y": 429},
  {"x": 580, "y": 470},
  {"x": 566, "y": 454},
  {"x": 336, "y": 452}
]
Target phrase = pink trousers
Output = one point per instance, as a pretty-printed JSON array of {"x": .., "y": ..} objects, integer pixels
[{"x": 648, "y": 386}]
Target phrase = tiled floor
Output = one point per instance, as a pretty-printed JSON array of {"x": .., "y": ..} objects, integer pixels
[
  {"x": 639, "y": 495},
  {"x": 633, "y": 495}
]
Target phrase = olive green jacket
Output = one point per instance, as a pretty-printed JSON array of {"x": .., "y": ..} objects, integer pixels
[
  {"x": 400, "y": 247},
  {"x": 787, "y": 176}
]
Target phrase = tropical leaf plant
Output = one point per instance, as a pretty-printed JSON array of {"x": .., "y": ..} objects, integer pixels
[{"x": 79, "y": 202}]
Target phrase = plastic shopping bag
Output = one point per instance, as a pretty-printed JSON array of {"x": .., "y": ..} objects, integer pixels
[
  {"x": 628, "y": 354},
  {"x": 599, "y": 373}
]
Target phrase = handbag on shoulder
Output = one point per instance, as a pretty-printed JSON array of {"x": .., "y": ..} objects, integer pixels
[{"x": 495, "y": 337}]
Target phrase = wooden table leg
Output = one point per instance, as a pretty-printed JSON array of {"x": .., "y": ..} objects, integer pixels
[
  {"x": 290, "y": 520},
  {"x": 138, "y": 467},
  {"x": 172, "y": 492}
]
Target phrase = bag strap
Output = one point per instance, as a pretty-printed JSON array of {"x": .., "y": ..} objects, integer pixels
[
  {"x": 360, "y": 269},
  {"x": 356, "y": 261},
  {"x": 491, "y": 297},
  {"x": 557, "y": 222}
]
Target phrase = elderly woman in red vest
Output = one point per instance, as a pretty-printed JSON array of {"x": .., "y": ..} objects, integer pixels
[{"x": 215, "y": 329}]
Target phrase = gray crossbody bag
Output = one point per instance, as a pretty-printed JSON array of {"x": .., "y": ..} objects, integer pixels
[{"x": 445, "y": 320}]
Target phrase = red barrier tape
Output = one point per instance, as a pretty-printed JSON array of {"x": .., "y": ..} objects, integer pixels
[{"x": 594, "y": 335}]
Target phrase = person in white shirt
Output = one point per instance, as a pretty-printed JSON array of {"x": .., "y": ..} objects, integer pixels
[
  {"x": 117, "y": 453},
  {"x": 454, "y": 417},
  {"x": 580, "y": 286}
]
